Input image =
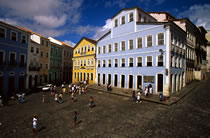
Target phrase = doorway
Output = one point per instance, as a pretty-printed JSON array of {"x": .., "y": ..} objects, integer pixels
[
  {"x": 109, "y": 79},
  {"x": 122, "y": 81},
  {"x": 104, "y": 79},
  {"x": 130, "y": 81},
  {"x": 11, "y": 86},
  {"x": 115, "y": 80},
  {"x": 21, "y": 83},
  {"x": 139, "y": 82},
  {"x": 99, "y": 78},
  {"x": 160, "y": 82}
]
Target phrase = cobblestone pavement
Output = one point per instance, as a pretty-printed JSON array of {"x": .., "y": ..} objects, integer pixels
[{"x": 113, "y": 116}]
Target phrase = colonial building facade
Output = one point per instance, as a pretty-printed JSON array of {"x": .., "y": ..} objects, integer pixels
[
  {"x": 84, "y": 61},
  {"x": 55, "y": 69},
  {"x": 67, "y": 62},
  {"x": 139, "y": 51},
  {"x": 13, "y": 59}
]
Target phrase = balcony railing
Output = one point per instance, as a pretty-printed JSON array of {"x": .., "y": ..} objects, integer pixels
[
  {"x": 12, "y": 63},
  {"x": 33, "y": 68},
  {"x": 21, "y": 64}
]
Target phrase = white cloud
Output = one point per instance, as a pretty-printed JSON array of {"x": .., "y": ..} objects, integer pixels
[
  {"x": 69, "y": 42},
  {"x": 119, "y": 3},
  {"x": 50, "y": 21},
  {"x": 198, "y": 14},
  {"x": 101, "y": 31},
  {"x": 46, "y": 17}
]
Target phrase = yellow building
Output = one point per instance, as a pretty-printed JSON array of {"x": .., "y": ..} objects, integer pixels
[{"x": 84, "y": 63}]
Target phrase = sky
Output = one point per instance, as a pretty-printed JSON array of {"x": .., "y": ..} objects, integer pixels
[{"x": 70, "y": 20}]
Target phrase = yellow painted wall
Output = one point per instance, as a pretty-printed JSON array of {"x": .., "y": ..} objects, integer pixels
[{"x": 84, "y": 69}]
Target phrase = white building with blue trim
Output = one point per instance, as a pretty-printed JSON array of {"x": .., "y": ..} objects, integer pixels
[{"x": 139, "y": 50}]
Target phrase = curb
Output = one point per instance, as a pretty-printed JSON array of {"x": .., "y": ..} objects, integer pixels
[{"x": 151, "y": 100}]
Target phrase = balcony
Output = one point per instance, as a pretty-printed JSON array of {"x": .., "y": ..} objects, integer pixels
[
  {"x": 12, "y": 63},
  {"x": 33, "y": 68},
  {"x": 22, "y": 64},
  {"x": 90, "y": 68}
]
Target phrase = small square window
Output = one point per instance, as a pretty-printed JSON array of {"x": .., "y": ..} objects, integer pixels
[{"x": 14, "y": 36}]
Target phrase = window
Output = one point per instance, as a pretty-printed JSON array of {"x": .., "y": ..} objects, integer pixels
[
  {"x": 110, "y": 48},
  {"x": 110, "y": 63},
  {"x": 145, "y": 19},
  {"x": 47, "y": 55},
  {"x": 99, "y": 50},
  {"x": 91, "y": 76},
  {"x": 149, "y": 41},
  {"x": 92, "y": 48},
  {"x": 85, "y": 49},
  {"x": 171, "y": 61},
  {"x": 104, "y": 49},
  {"x": 131, "y": 17},
  {"x": 88, "y": 48},
  {"x": 175, "y": 63},
  {"x": 76, "y": 52},
  {"x": 115, "y": 23},
  {"x": 139, "y": 42},
  {"x": 131, "y": 44},
  {"x": 139, "y": 17},
  {"x": 123, "y": 46},
  {"x": 88, "y": 62},
  {"x": 1, "y": 57},
  {"x": 122, "y": 20},
  {"x": 99, "y": 63},
  {"x": 84, "y": 62},
  {"x": 32, "y": 49},
  {"x": 79, "y": 50},
  {"x": 23, "y": 39},
  {"x": 75, "y": 75},
  {"x": 14, "y": 36},
  {"x": 115, "y": 47},
  {"x": 37, "y": 50},
  {"x": 56, "y": 52},
  {"x": 115, "y": 63},
  {"x": 81, "y": 63},
  {"x": 160, "y": 39},
  {"x": 2, "y": 32},
  {"x": 47, "y": 43},
  {"x": 149, "y": 61},
  {"x": 104, "y": 63},
  {"x": 42, "y": 42},
  {"x": 91, "y": 62},
  {"x": 12, "y": 58},
  {"x": 75, "y": 62},
  {"x": 22, "y": 60},
  {"x": 46, "y": 66},
  {"x": 160, "y": 60},
  {"x": 41, "y": 54},
  {"x": 123, "y": 62},
  {"x": 139, "y": 61},
  {"x": 78, "y": 63},
  {"x": 130, "y": 62}
]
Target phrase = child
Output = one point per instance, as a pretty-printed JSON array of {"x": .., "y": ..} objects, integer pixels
[
  {"x": 34, "y": 124},
  {"x": 91, "y": 102},
  {"x": 138, "y": 97},
  {"x": 60, "y": 100},
  {"x": 75, "y": 118}
]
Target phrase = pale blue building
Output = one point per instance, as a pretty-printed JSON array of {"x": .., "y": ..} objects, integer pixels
[{"x": 139, "y": 50}]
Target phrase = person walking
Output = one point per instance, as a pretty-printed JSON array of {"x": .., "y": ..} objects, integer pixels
[
  {"x": 35, "y": 118},
  {"x": 72, "y": 97},
  {"x": 138, "y": 97},
  {"x": 43, "y": 97},
  {"x": 134, "y": 96},
  {"x": 91, "y": 102},
  {"x": 75, "y": 118}
]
